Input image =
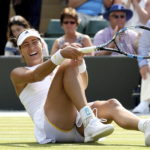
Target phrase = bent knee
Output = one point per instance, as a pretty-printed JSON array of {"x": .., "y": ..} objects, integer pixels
[
  {"x": 113, "y": 102},
  {"x": 102, "y": 111},
  {"x": 67, "y": 67}
]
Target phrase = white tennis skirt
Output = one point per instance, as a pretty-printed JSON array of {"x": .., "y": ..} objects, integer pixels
[{"x": 46, "y": 132}]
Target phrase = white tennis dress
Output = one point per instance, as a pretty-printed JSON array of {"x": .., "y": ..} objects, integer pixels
[{"x": 33, "y": 97}]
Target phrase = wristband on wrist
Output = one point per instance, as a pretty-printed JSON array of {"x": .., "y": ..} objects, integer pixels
[
  {"x": 82, "y": 67},
  {"x": 57, "y": 58}
]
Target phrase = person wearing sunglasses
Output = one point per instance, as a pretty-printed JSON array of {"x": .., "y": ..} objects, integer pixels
[
  {"x": 117, "y": 15},
  {"x": 69, "y": 22}
]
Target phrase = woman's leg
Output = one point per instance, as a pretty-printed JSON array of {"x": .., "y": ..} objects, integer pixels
[
  {"x": 65, "y": 95},
  {"x": 114, "y": 111}
]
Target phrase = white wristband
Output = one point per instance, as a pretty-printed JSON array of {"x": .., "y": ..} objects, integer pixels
[
  {"x": 57, "y": 58},
  {"x": 82, "y": 67}
]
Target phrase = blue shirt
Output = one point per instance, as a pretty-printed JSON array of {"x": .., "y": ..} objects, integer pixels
[{"x": 92, "y": 7}]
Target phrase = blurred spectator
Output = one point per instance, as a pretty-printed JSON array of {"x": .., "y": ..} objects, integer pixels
[
  {"x": 117, "y": 16},
  {"x": 4, "y": 15},
  {"x": 90, "y": 9},
  {"x": 30, "y": 10},
  {"x": 141, "y": 11},
  {"x": 144, "y": 65},
  {"x": 18, "y": 24},
  {"x": 69, "y": 22}
]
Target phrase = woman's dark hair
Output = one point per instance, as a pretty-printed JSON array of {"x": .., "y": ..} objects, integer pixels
[
  {"x": 69, "y": 12},
  {"x": 16, "y": 20}
]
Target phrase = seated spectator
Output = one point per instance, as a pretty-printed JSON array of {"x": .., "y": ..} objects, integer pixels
[
  {"x": 144, "y": 67},
  {"x": 16, "y": 25},
  {"x": 141, "y": 11},
  {"x": 69, "y": 22},
  {"x": 117, "y": 16}
]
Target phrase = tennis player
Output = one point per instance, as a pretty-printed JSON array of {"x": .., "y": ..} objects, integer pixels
[{"x": 53, "y": 93}]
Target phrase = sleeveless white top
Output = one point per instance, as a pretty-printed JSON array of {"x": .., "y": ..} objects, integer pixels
[{"x": 33, "y": 97}]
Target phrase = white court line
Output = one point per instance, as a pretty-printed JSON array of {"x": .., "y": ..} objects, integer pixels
[
  {"x": 13, "y": 113},
  {"x": 16, "y": 138}
]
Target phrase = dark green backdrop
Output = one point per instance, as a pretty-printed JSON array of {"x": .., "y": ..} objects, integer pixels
[{"x": 109, "y": 77}]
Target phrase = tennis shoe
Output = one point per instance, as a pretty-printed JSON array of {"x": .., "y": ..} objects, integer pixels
[
  {"x": 141, "y": 109},
  {"x": 147, "y": 132},
  {"x": 95, "y": 130}
]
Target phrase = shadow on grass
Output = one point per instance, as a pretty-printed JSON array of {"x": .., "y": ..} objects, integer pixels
[{"x": 34, "y": 144}]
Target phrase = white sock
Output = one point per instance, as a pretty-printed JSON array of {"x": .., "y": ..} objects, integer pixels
[
  {"x": 141, "y": 125},
  {"x": 86, "y": 115},
  {"x": 144, "y": 103}
]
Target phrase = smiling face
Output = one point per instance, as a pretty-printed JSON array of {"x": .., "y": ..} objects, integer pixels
[{"x": 31, "y": 51}]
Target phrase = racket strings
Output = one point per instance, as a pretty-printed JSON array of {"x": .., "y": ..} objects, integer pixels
[{"x": 126, "y": 44}]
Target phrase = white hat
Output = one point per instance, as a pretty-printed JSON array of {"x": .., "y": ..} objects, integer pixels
[{"x": 27, "y": 33}]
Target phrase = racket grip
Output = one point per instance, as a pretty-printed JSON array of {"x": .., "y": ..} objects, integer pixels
[{"x": 87, "y": 49}]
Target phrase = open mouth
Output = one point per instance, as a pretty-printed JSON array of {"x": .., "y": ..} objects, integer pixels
[{"x": 33, "y": 54}]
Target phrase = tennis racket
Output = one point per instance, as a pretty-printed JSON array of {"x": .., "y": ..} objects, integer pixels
[{"x": 125, "y": 42}]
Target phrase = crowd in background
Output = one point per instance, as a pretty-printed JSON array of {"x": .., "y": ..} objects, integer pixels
[{"x": 119, "y": 13}]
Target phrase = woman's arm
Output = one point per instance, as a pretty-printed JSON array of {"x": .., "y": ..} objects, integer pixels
[
  {"x": 24, "y": 76},
  {"x": 108, "y": 3},
  {"x": 87, "y": 41},
  {"x": 144, "y": 14}
]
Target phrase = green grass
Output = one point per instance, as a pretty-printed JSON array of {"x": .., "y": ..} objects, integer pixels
[{"x": 16, "y": 133}]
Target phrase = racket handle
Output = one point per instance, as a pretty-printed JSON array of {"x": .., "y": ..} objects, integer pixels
[{"x": 87, "y": 49}]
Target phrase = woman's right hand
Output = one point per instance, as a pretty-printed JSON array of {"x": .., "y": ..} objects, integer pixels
[{"x": 71, "y": 53}]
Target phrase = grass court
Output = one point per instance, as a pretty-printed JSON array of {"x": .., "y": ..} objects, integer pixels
[{"x": 16, "y": 133}]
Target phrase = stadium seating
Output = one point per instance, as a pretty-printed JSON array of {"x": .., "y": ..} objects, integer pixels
[
  {"x": 54, "y": 28},
  {"x": 94, "y": 26},
  {"x": 49, "y": 42},
  {"x": 80, "y": 28}
]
